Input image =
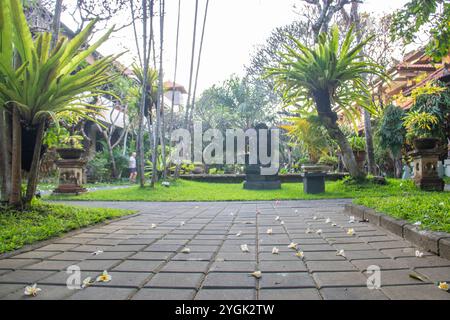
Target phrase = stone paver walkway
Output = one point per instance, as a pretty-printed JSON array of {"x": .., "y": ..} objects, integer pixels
[{"x": 146, "y": 262}]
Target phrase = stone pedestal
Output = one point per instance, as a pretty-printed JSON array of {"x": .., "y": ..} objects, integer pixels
[
  {"x": 425, "y": 170},
  {"x": 314, "y": 182},
  {"x": 254, "y": 180},
  {"x": 70, "y": 176}
]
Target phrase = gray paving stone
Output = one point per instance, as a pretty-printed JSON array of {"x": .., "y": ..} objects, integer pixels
[
  {"x": 282, "y": 266},
  {"x": 230, "y": 256},
  {"x": 104, "y": 293},
  {"x": 233, "y": 266},
  {"x": 322, "y": 256},
  {"x": 286, "y": 280},
  {"x": 51, "y": 265},
  {"x": 289, "y": 294},
  {"x": 229, "y": 280},
  {"x": 194, "y": 256},
  {"x": 339, "y": 279},
  {"x": 60, "y": 278},
  {"x": 352, "y": 293},
  {"x": 425, "y": 261},
  {"x": 151, "y": 256},
  {"x": 6, "y": 289},
  {"x": 58, "y": 247},
  {"x": 176, "y": 280},
  {"x": 35, "y": 255},
  {"x": 364, "y": 254},
  {"x": 25, "y": 276},
  {"x": 384, "y": 264},
  {"x": 138, "y": 265},
  {"x": 164, "y": 294},
  {"x": 226, "y": 294},
  {"x": 323, "y": 266},
  {"x": 436, "y": 274},
  {"x": 98, "y": 265},
  {"x": 186, "y": 266},
  {"x": 416, "y": 292},
  {"x": 398, "y": 277},
  {"x": 47, "y": 293},
  {"x": 71, "y": 256},
  {"x": 125, "y": 279},
  {"x": 16, "y": 263}
]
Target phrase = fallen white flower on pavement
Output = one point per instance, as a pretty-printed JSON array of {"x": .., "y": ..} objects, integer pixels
[
  {"x": 32, "y": 290},
  {"x": 315, "y": 218},
  {"x": 319, "y": 231},
  {"x": 443, "y": 286},
  {"x": 340, "y": 253},
  {"x": 269, "y": 231},
  {"x": 299, "y": 254},
  {"x": 328, "y": 220},
  {"x": 275, "y": 250},
  {"x": 296, "y": 211},
  {"x": 244, "y": 248},
  {"x": 231, "y": 214},
  {"x": 256, "y": 274},
  {"x": 87, "y": 282},
  {"x": 186, "y": 250},
  {"x": 105, "y": 277},
  {"x": 282, "y": 222},
  {"x": 418, "y": 223},
  {"x": 239, "y": 234},
  {"x": 293, "y": 245},
  {"x": 182, "y": 223},
  {"x": 419, "y": 254},
  {"x": 350, "y": 232},
  {"x": 153, "y": 226},
  {"x": 334, "y": 224},
  {"x": 96, "y": 253},
  {"x": 277, "y": 218},
  {"x": 352, "y": 219},
  {"x": 308, "y": 230}
]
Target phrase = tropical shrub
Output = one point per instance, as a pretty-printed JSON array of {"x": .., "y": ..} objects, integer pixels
[
  {"x": 328, "y": 77},
  {"x": 37, "y": 83}
]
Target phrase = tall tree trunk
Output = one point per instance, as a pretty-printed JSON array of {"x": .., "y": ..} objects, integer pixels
[
  {"x": 329, "y": 121},
  {"x": 33, "y": 177},
  {"x": 369, "y": 142},
  {"x": 56, "y": 23},
  {"x": 15, "y": 198},
  {"x": 140, "y": 138},
  {"x": 5, "y": 163},
  {"x": 356, "y": 19},
  {"x": 159, "y": 100}
]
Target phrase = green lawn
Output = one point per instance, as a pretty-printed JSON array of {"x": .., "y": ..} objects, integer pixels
[
  {"x": 200, "y": 191},
  {"x": 431, "y": 209},
  {"x": 44, "y": 221}
]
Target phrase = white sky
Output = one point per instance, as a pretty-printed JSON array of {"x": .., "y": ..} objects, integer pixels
[{"x": 234, "y": 28}]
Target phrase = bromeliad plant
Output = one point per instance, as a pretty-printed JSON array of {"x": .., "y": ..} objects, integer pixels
[
  {"x": 37, "y": 83},
  {"x": 420, "y": 125},
  {"x": 330, "y": 78}
]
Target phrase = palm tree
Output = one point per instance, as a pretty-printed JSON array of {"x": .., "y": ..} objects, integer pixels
[
  {"x": 37, "y": 83},
  {"x": 330, "y": 79}
]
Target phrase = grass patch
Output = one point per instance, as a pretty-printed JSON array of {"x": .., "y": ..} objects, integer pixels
[
  {"x": 44, "y": 221},
  {"x": 432, "y": 209},
  {"x": 183, "y": 190}
]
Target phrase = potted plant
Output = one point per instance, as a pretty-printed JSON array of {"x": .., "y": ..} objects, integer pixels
[
  {"x": 420, "y": 127},
  {"x": 330, "y": 161},
  {"x": 358, "y": 145},
  {"x": 70, "y": 147}
]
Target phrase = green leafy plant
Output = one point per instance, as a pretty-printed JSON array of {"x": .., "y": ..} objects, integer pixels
[
  {"x": 328, "y": 77},
  {"x": 328, "y": 160},
  {"x": 357, "y": 143},
  {"x": 419, "y": 125},
  {"x": 38, "y": 82}
]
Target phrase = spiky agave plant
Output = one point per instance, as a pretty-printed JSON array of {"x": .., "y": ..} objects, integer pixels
[
  {"x": 38, "y": 82},
  {"x": 328, "y": 78}
]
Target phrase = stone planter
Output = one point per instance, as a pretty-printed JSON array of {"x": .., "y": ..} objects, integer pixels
[
  {"x": 70, "y": 153},
  {"x": 425, "y": 143},
  {"x": 314, "y": 178},
  {"x": 70, "y": 176},
  {"x": 360, "y": 157}
]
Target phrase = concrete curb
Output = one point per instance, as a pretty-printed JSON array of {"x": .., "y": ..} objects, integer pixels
[{"x": 435, "y": 242}]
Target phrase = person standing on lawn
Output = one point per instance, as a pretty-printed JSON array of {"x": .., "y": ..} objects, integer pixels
[{"x": 132, "y": 167}]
